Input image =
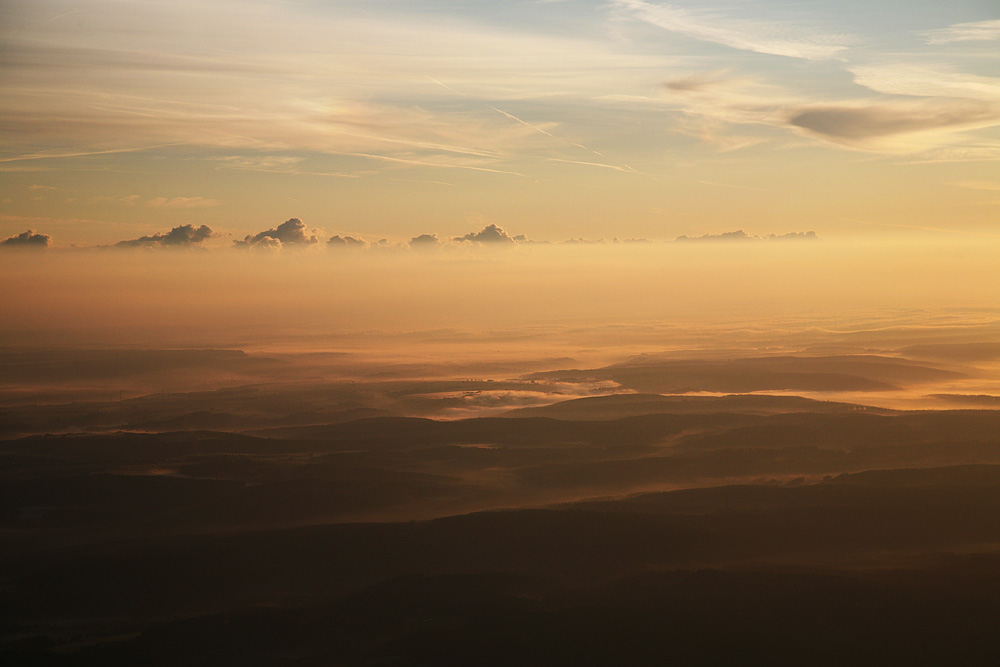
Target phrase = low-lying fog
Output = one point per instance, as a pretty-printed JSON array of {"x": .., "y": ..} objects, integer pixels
[{"x": 474, "y": 313}]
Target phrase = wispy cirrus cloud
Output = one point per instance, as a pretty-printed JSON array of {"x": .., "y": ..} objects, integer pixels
[
  {"x": 727, "y": 111},
  {"x": 542, "y": 130},
  {"x": 601, "y": 165},
  {"x": 971, "y": 151},
  {"x": 325, "y": 83},
  {"x": 991, "y": 186},
  {"x": 436, "y": 165},
  {"x": 926, "y": 79},
  {"x": 912, "y": 114},
  {"x": 928, "y": 100},
  {"x": 128, "y": 200},
  {"x": 772, "y": 38},
  {"x": 157, "y": 202},
  {"x": 976, "y": 31},
  {"x": 475, "y": 95},
  {"x": 259, "y": 162},
  {"x": 696, "y": 83},
  {"x": 182, "y": 202},
  {"x": 83, "y": 153}
]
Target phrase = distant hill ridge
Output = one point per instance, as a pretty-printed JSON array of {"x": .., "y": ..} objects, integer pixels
[
  {"x": 750, "y": 374},
  {"x": 629, "y": 405}
]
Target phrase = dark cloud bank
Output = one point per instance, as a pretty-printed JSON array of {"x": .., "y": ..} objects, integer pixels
[
  {"x": 27, "y": 239},
  {"x": 291, "y": 232},
  {"x": 424, "y": 241},
  {"x": 295, "y": 233},
  {"x": 490, "y": 234},
  {"x": 185, "y": 236},
  {"x": 339, "y": 241},
  {"x": 740, "y": 235},
  {"x": 856, "y": 125}
]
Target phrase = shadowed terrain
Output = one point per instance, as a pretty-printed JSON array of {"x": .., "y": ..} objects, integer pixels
[
  {"x": 867, "y": 557},
  {"x": 554, "y": 518}
]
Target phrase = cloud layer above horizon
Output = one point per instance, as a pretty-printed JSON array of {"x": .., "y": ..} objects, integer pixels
[
  {"x": 294, "y": 234},
  {"x": 593, "y": 118}
]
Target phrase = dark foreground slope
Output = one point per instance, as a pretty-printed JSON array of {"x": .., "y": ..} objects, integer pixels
[
  {"x": 944, "y": 615},
  {"x": 872, "y": 568},
  {"x": 64, "y": 490},
  {"x": 696, "y": 530}
]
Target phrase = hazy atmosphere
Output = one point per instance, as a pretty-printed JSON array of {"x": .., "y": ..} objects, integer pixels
[{"x": 527, "y": 332}]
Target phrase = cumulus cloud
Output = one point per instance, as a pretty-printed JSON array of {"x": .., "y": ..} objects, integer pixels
[
  {"x": 491, "y": 234},
  {"x": 185, "y": 236},
  {"x": 583, "y": 241},
  {"x": 740, "y": 235},
  {"x": 793, "y": 236},
  {"x": 858, "y": 125},
  {"x": 387, "y": 246},
  {"x": 27, "y": 239},
  {"x": 424, "y": 241},
  {"x": 264, "y": 243},
  {"x": 338, "y": 241},
  {"x": 290, "y": 232}
]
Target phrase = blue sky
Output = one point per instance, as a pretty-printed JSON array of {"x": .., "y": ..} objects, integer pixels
[{"x": 555, "y": 118}]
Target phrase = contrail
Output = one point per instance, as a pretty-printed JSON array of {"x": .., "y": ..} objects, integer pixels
[
  {"x": 296, "y": 172},
  {"x": 461, "y": 150},
  {"x": 446, "y": 86},
  {"x": 592, "y": 164},
  {"x": 45, "y": 156},
  {"x": 524, "y": 122},
  {"x": 622, "y": 166},
  {"x": 433, "y": 164}
]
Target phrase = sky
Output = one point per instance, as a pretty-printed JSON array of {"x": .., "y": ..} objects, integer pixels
[{"x": 595, "y": 119}]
